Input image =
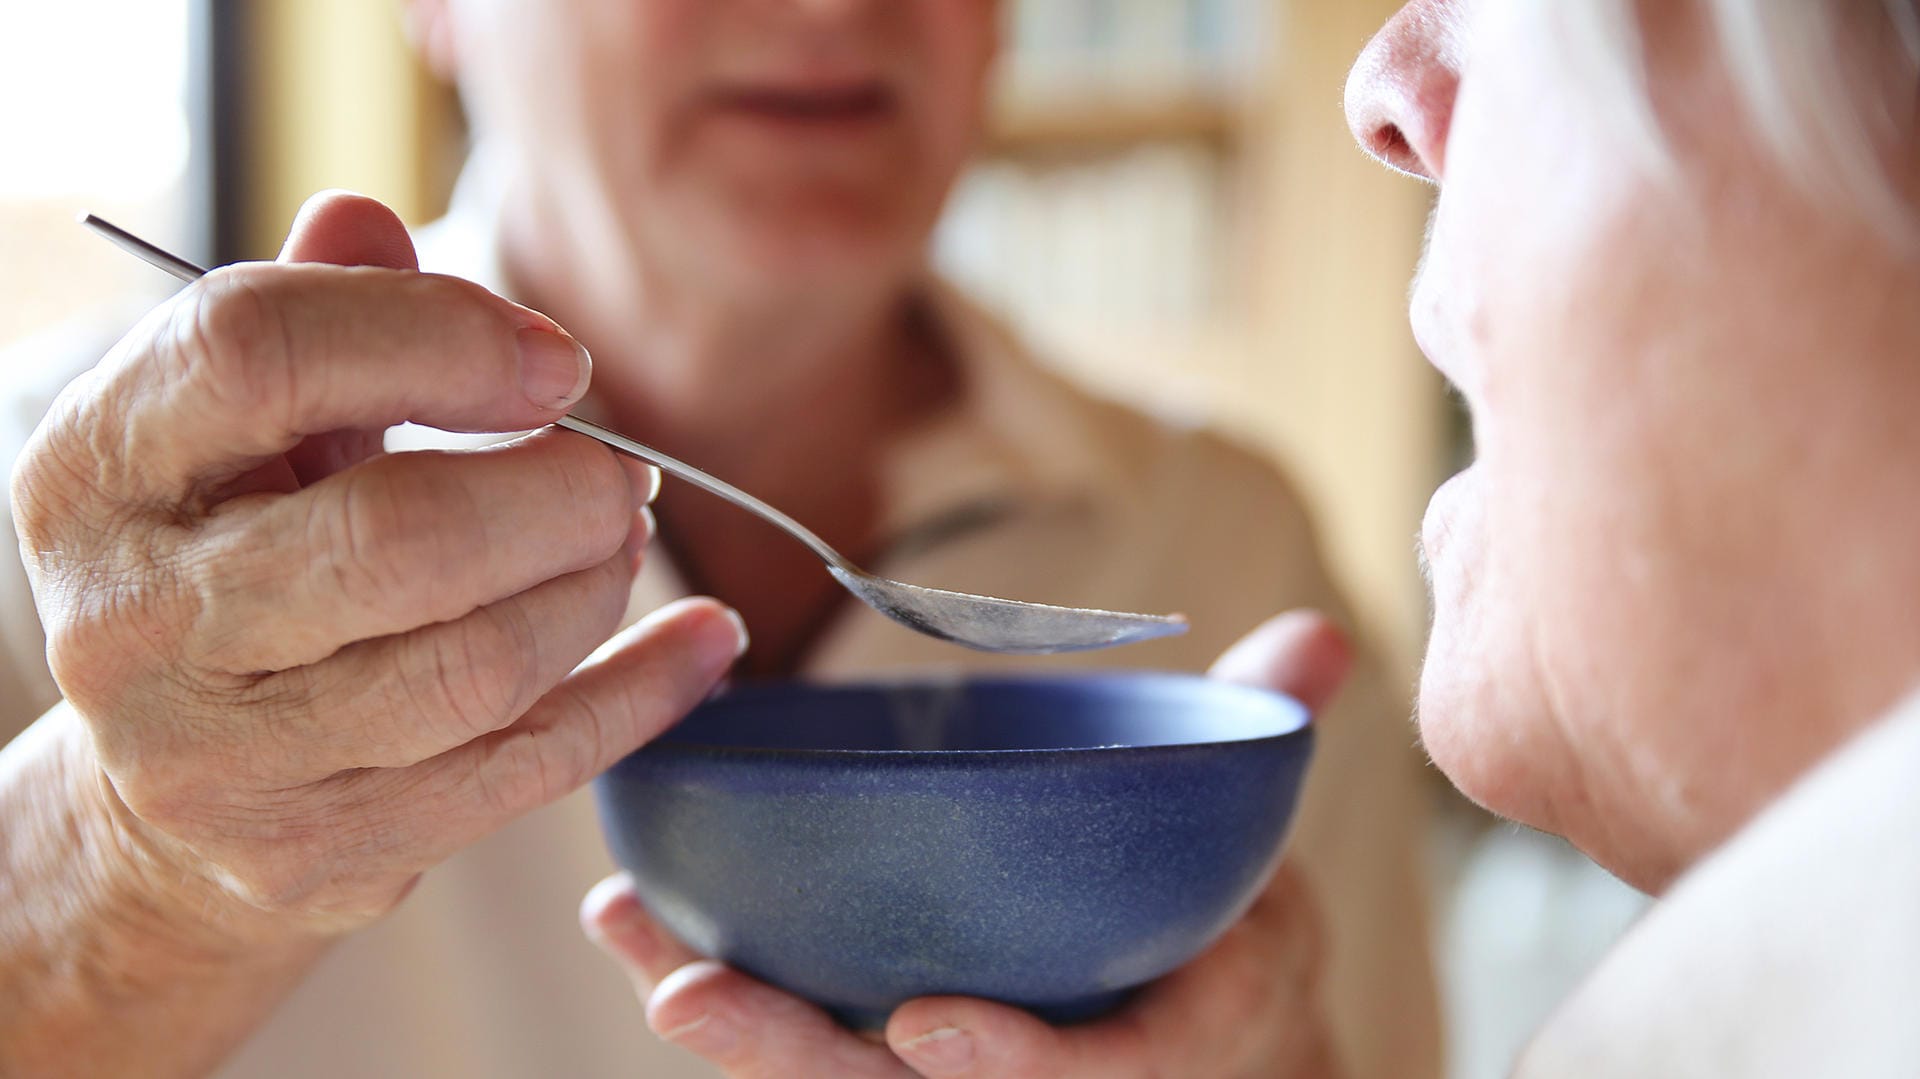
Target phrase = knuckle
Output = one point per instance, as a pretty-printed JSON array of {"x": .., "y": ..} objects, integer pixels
[
  {"x": 594, "y": 474},
  {"x": 76, "y": 649},
  {"x": 233, "y": 344},
  {"x": 109, "y": 628},
  {"x": 469, "y": 677},
  {"x": 389, "y": 530},
  {"x": 33, "y": 496},
  {"x": 35, "y": 492},
  {"x": 533, "y": 765},
  {"x": 512, "y": 778},
  {"x": 57, "y": 484},
  {"x": 595, "y": 489}
]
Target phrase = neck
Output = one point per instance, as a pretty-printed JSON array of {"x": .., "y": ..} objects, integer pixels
[{"x": 793, "y": 398}]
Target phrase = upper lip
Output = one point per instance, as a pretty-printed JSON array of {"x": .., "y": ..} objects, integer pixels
[{"x": 1426, "y": 337}]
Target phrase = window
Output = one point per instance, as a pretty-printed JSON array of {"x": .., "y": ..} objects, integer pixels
[{"x": 97, "y": 118}]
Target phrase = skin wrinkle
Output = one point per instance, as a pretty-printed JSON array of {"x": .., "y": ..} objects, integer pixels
[
  {"x": 520, "y": 641},
  {"x": 239, "y": 538},
  {"x": 451, "y": 693},
  {"x": 239, "y": 358}
]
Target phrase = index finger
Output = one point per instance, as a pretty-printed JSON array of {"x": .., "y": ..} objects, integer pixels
[{"x": 250, "y": 360}]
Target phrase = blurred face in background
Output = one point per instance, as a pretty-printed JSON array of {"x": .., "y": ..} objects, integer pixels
[
  {"x": 755, "y": 147},
  {"x": 1685, "y": 562}
]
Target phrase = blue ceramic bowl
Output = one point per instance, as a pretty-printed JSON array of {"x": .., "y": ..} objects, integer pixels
[{"x": 1047, "y": 842}]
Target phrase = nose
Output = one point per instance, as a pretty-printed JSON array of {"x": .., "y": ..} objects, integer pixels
[{"x": 1400, "y": 93}]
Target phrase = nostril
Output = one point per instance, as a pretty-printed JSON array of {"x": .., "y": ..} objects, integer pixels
[{"x": 1390, "y": 144}]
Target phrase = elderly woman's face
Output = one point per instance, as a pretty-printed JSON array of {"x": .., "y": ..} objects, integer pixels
[
  {"x": 756, "y": 144},
  {"x": 1659, "y": 589}
]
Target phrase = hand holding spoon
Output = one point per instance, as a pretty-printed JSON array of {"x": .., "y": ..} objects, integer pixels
[{"x": 981, "y": 622}]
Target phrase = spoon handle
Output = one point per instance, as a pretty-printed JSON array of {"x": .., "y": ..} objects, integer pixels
[
  {"x": 146, "y": 252},
  {"x": 710, "y": 484}
]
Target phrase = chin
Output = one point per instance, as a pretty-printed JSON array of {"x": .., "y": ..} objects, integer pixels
[
  {"x": 1497, "y": 743},
  {"x": 1650, "y": 875},
  {"x": 1464, "y": 741},
  {"x": 813, "y": 255},
  {"x": 1488, "y": 731}
]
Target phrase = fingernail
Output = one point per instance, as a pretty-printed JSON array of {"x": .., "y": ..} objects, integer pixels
[
  {"x": 942, "y": 1051},
  {"x": 643, "y": 479},
  {"x": 633, "y": 942},
  {"x": 708, "y": 1035},
  {"x": 742, "y": 640},
  {"x": 638, "y": 537},
  {"x": 611, "y": 916},
  {"x": 554, "y": 369}
]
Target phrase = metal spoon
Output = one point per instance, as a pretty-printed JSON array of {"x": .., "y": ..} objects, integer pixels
[{"x": 982, "y": 622}]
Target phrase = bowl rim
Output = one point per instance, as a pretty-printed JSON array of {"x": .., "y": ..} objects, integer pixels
[{"x": 1302, "y": 729}]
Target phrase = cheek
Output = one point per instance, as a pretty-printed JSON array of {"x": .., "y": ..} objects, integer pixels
[
  {"x": 576, "y": 81},
  {"x": 957, "y": 41},
  {"x": 1608, "y": 549},
  {"x": 940, "y": 54},
  {"x": 1539, "y": 601}
]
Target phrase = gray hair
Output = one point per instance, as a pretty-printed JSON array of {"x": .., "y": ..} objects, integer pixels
[{"x": 1808, "y": 73}]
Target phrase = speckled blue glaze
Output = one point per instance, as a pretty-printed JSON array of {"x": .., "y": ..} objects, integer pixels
[{"x": 1047, "y": 842}]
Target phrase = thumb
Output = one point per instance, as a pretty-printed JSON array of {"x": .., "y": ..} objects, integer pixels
[
  {"x": 1300, "y": 653},
  {"x": 346, "y": 229}
]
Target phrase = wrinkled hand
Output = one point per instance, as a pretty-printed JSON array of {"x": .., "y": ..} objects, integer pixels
[
  {"x": 1245, "y": 1007},
  {"x": 310, "y": 669}
]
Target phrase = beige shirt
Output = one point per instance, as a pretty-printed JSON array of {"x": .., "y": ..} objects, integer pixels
[{"x": 1031, "y": 488}]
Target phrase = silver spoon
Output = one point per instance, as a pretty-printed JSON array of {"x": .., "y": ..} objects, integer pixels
[{"x": 982, "y": 622}]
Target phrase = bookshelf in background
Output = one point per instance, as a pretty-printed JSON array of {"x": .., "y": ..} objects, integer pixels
[{"x": 1101, "y": 218}]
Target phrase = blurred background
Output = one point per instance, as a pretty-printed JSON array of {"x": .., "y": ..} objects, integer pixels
[{"x": 1167, "y": 204}]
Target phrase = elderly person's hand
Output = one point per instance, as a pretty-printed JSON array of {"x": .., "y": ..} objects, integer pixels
[
  {"x": 1245, "y": 1007},
  {"x": 309, "y": 669}
]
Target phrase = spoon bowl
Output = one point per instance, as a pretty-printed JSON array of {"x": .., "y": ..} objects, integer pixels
[{"x": 1002, "y": 625}]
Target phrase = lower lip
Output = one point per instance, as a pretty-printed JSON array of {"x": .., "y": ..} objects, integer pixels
[{"x": 783, "y": 123}]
